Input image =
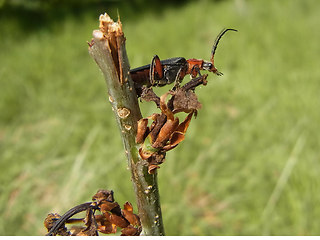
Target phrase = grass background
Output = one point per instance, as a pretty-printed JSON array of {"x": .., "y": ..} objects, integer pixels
[{"x": 250, "y": 161}]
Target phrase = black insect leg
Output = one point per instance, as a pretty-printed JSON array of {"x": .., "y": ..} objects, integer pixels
[
  {"x": 178, "y": 80},
  {"x": 156, "y": 70}
]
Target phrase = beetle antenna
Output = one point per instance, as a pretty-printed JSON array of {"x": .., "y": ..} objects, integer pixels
[{"x": 215, "y": 44}]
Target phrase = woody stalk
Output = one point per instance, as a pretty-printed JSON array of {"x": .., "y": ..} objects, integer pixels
[{"x": 107, "y": 48}]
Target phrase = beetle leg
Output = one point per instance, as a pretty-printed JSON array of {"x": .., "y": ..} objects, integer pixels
[
  {"x": 155, "y": 68},
  {"x": 179, "y": 78},
  {"x": 195, "y": 71}
]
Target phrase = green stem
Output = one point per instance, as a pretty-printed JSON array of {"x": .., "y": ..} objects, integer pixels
[{"x": 107, "y": 48}]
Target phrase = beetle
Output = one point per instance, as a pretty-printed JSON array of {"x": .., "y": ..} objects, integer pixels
[{"x": 164, "y": 72}]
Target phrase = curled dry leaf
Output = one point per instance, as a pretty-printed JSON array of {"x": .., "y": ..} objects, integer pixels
[
  {"x": 130, "y": 231},
  {"x": 50, "y": 221},
  {"x": 185, "y": 101},
  {"x": 127, "y": 212},
  {"x": 91, "y": 225},
  {"x": 142, "y": 134},
  {"x": 166, "y": 133},
  {"x": 103, "y": 195},
  {"x": 148, "y": 95}
]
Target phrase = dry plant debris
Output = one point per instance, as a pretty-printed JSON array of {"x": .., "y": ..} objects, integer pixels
[
  {"x": 165, "y": 131},
  {"x": 111, "y": 218}
]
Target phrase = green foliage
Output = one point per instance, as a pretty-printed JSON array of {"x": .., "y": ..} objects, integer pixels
[{"x": 250, "y": 162}]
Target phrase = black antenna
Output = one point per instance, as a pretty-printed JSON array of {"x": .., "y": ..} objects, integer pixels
[{"x": 215, "y": 44}]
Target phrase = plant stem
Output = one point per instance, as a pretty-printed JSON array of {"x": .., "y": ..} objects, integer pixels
[{"x": 107, "y": 48}]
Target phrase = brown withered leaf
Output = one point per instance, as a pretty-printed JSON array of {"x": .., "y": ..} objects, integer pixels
[
  {"x": 107, "y": 228},
  {"x": 127, "y": 212},
  {"x": 103, "y": 195},
  {"x": 90, "y": 222},
  {"x": 148, "y": 95},
  {"x": 108, "y": 206},
  {"x": 144, "y": 154},
  {"x": 179, "y": 134},
  {"x": 131, "y": 231},
  {"x": 119, "y": 221},
  {"x": 50, "y": 221},
  {"x": 75, "y": 230},
  {"x": 157, "y": 158},
  {"x": 166, "y": 108},
  {"x": 167, "y": 129},
  {"x": 152, "y": 168},
  {"x": 177, "y": 137},
  {"x": 104, "y": 225},
  {"x": 185, "y": 124},
  {"x": 158, "y": 122},
  {"x": 142, "y": 131},
  {"x": 185, "y": 101},
  {"x": 111, "y": 218},
  {"x": 128, "y": 207}
]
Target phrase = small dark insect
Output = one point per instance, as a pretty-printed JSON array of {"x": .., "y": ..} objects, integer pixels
[{"x": 164, "y": 72}]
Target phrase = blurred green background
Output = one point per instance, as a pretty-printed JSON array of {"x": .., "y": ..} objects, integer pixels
[{"x": 250, "y": 161}]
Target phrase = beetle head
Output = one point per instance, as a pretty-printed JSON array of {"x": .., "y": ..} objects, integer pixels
[{"x": 211, "y": 68}]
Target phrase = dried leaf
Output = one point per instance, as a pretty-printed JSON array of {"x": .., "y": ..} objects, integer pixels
[
  {"x": 185, "y": 101},
  {"x": 144, "y": 154},
  {"x": 142, "y": 131},
  {"x": 129, "y": 215},
  {"x": 111, "y": 218},
  {"x": 118, "y": 221},
  {"x": 148, "y": 95},
  {"x": 108, "y": 206},
  {"x": 158, "y": 122},
  {"x": 185, "y": 124},
  {"x": 76, "y": 230},
  {"x": 167, "y": 129},
  {"x": 51, "y": 220},
  {"x": 90, "y": 222},
  {"x": 65, "y": 217},
  {"x": 164, "y": 107},
  {"x": 130, "y": 231},
  {"x": 128, "y": 207},
  {"x": 152, "y": 168},
  {"x": 177, "y": 137},
  {"x": 107, "y": 228},
  {"x": 103, "y": 195},
  {"x": 157, "y": 158}
]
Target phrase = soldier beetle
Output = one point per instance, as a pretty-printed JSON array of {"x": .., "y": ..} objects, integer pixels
[{"x": 164, "y": 72}]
